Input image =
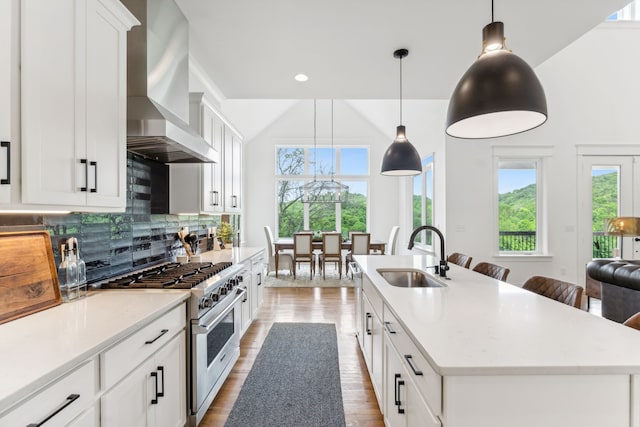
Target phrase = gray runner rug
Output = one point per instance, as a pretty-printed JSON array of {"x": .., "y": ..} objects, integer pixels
[{"x": 294, "y": 381}]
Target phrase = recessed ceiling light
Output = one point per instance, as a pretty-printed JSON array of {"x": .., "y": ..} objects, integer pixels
[{"x": 301, "y": 77}]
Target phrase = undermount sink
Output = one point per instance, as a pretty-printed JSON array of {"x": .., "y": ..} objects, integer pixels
[{"x": 408, "y": 278}]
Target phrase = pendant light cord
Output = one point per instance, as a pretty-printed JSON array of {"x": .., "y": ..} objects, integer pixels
[
  {"x": 333, "y": 154},
  {"x": 315, "y": 150},
  {"x": 401, "y": 90},
  {"x": 492, "y": 11}
]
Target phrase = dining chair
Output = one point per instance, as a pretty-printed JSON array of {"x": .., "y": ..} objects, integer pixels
[
  {"x": 285, "y": 259},
  {"x": 359, "y": 246},
  {"x": 559, "y": 290},
  {"x": 460, "y": 259},
  {"x": 331, "y": 252},
  {"x": 633, "y": 321},
  {"x": 492, "y": 270},
  {"x": 303, "y": 252},
  {"x": 391, "y": 243}
]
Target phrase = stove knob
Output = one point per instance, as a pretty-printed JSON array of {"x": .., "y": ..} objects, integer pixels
[
  {"x": 223, "y": 290},
  {"x": 205, "y": 302},
  {"x": 214, "y": 297}
]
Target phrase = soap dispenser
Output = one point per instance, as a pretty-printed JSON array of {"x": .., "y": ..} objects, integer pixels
[
  {"x": 82, "y": 270},
  {"x": 68, "y": 273}
]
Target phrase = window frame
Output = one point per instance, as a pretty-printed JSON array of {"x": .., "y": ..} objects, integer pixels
[
  {"x": 428, "y": 165},
  {"x": 540, "y": 155},
  {"x": 307, "y": 176}
]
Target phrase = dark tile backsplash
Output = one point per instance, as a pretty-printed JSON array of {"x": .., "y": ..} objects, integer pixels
[{"x": 112, "y": 244}]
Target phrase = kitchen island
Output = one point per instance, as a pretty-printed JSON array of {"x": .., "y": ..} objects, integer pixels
[{"x": 492, "y": 354}]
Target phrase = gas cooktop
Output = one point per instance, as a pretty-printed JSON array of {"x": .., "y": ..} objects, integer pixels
[{"x": 169, "y": 276}]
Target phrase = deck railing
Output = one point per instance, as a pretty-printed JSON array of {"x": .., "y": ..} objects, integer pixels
[{"x": 525, "y": 241}]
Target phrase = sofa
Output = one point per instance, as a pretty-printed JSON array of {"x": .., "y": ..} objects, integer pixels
[{"x": 620, "y": 286}]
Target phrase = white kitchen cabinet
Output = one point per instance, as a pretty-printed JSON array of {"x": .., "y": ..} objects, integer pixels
[
  {"x": 246, "y": 313},
  {"x": 232, "y": 171},
  {"x": 73, "y": 94},
  {"x": 404, "y": 405},
  {"x": 59, "y": 403},
  {"x": 257, "y": 269},
  {"x": 208, "y": 187},
  {"x": 151, "y": 395},
  {"x": 197, "y": 188},
  {"x": 9, "y": 100},
  {"x": 372, "y": 343}
]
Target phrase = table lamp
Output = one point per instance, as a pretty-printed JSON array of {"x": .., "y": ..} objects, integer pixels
[{"x": 623, "y": 226}]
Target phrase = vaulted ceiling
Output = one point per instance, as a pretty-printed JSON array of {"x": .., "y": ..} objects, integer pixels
[{"x": 251, "y": 49}]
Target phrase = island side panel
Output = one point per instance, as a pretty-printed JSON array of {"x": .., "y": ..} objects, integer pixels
[{"x": 537, "y": 400}]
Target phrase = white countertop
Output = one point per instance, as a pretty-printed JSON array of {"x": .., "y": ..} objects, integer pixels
[
  {"x": 477, "y": 325},
  {"x": 42, "y": 346},
  {"x": 234, "y": 255}
]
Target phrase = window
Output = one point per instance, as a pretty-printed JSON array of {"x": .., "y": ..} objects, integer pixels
[
  {"x": 423, "y": 201},
  {"x": 296, "y": 166},
  {"x": 519, "y": 205}
]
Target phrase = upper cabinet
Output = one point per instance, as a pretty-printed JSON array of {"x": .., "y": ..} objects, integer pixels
[
  {"x": 73, "y": 97},
  {"x": 232, "y": 171},
  {"x": 213, "y": 187},
  {"x": 9, "y": 97}
]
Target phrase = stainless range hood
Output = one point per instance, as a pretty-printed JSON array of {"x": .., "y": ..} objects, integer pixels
[{"x": 158, "y": 86}]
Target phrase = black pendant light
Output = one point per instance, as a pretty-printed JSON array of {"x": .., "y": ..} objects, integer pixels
[
  {"x": 499, "y": 95},
  {"x": 401, "y": 158}
]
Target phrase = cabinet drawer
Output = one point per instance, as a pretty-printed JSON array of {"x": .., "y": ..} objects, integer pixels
[
  {"x": 63, "y": 400},
  {"x": 374, "y": 297},
  {"x": 133, "y": 350},
  {"x": 428, "y": 382}
]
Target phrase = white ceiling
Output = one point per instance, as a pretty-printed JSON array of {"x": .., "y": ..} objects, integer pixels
[{"x": 251, "y": 49}]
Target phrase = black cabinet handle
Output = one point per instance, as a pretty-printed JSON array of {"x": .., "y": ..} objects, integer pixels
[
  {"x": 366, "y": 324},
  {"x": 214, "y": 198},
  {"x": 154, "y": 401},
  {"x": 234, "y": 201},
  {"x": 409, "y": 359},
  {"x": 68, "y": 401},
  {"x": 162, "y": 332},
  {"x": 400, "y": 410},
  {"x": 86, "y": 174},
  {"x": 259, "y": 276},
  {"x": 7, "y": 145},
  {"x": 161, "y": 393},
  {"x": 396, "y": 392},
  {"x": 387, "y": 326},
  {"x": 95, "y": 176}
]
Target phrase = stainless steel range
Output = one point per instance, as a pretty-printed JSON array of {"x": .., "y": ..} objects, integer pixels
[{"x": 213, "y": 341}]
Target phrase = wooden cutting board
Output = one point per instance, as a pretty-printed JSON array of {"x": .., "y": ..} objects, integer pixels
[{"x": 28, "y": 275}]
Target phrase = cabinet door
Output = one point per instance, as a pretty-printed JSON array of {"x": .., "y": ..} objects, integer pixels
[
  {"x": 9, "y": 70},
  {"x": 106, "y": 170},
  {"x": 171, "y": 408},
  {"x": 128, "y": 403},
  {"x": 367, "y": 335},
  {"x": 395, "y": 388},
  {"x": 152, "y": 395},
  {"x": 418, "y": 412},
  {"x": 232, "y": 171},
  {"x": 52, "y": 95},
  {"x": 217, "y": 188}
]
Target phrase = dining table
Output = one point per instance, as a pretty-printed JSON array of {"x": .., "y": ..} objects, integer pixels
[{"x": 283, "y": 243}]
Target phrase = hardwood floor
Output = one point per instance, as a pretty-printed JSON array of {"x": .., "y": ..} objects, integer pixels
[{"x": 321, "y": 305}]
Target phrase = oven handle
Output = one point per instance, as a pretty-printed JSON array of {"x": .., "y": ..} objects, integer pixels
[{"x": 208, "y": 325}]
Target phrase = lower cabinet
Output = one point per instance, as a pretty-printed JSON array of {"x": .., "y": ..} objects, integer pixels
[
  {"x": 246, "y": 313},
  {"x": 371, "y": 341},
  {"x": 257, "y": 267},
  {"x": 62, "y": 403},
  {"x": 404, "y": 405},
  {"x": 151, "y": 395}
]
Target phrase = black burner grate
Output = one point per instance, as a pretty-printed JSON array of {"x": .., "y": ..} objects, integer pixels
[{"x": 169, "y": 276}]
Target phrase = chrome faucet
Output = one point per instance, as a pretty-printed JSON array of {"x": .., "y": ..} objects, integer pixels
[{"x": 441, "y": 270}]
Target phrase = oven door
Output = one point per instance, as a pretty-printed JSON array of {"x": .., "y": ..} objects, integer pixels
[{"x": 215, "y": 342}]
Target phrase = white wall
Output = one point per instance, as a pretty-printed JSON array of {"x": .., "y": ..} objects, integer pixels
[
  {"x": 592, "y": 90},
  {"x": 296, "y": 127}
]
